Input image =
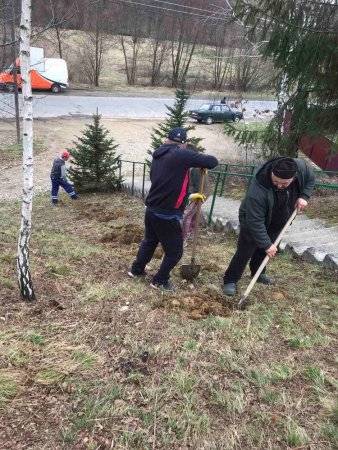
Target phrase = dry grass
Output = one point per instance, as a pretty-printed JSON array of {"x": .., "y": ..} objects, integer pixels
[
  {"x": 113, "y": 76},
  {"x": 102, "y": 361}
]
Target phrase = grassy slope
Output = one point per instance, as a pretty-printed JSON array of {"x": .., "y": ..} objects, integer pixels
[
  {"x": 123, "y": 365},
  {"x": 11, "y": 152}
]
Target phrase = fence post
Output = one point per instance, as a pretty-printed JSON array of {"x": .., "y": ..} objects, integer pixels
[
  {"x": 120, "y": 168},
  {"x": 214, "y": 197},
  {"x": 251, "y": 175},
  {"x": 133, "y": 179},
  {"x": 143, "y": 178},
  {"x": 223, "y": 180}
]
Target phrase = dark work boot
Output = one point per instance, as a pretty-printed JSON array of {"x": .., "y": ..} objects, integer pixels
[
  {"x": 229, "y": 289},
  {"x": 167, "y": 286},
  {"x": 264, "y": 279}
]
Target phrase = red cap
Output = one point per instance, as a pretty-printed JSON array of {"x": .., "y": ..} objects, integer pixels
[{"x": 65, "y": 154}]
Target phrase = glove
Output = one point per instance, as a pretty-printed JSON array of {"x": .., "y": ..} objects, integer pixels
[{"x": 197, "y": 197}]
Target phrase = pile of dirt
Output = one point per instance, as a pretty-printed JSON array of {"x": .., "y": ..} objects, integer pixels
[
  {"x": 107, "y": 216},
  {"x": 99, "y": 213},
  {"x": 124, "y": 234},
  {"x": 197, "y": 306}
]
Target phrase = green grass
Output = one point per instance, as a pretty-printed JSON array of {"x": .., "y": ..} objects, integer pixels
[
  {"x": 8, "y": 387},
  {"x": 251, "y": 126},
  {"x": 120, "y": 362},
  {"x": 12, "y": 153}
]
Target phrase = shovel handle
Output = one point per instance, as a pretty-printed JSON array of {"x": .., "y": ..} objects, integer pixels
[
  {"x": 266, "y": 259},
  {"x": 198, "y": 216}
]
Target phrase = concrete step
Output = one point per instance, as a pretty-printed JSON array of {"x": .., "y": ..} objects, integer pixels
[
  {"x": 328, "y": 247},
  {"x": 310, "y": 232},
  {"x": 308, "y": 238},
  {"x": 313, "y": 240},
  {"x": 331, "y": 263},
  {"x": 301, "y": 225}
]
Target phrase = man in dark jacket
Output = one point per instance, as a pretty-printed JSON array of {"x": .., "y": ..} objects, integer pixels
[
  {"x": 169, "y": 175},
  {"x": 59, "y": 178},
  {"x": 278, "y": 187}
]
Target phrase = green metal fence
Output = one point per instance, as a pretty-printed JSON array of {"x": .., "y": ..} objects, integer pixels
[
  {"x": 133, "y": 165},
  {"x": 245, "y": 171},
  {"x": 220, "y": 175}
]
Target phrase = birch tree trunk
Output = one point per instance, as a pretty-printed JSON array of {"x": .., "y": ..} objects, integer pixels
[{"x": 24, "y": 276}]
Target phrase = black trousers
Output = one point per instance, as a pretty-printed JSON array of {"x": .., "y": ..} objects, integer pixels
[
  {"x": 169, "y": 234},
  {"x": 246, "y": 251}
]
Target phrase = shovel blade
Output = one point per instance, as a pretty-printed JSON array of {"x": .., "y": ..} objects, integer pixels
[{"x": 190, "y": 271}]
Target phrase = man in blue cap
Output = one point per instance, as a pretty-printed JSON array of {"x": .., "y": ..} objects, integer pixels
[{"x": 169, "y": 175}]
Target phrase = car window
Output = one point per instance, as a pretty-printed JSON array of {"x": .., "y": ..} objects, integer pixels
[
  {"x": 216, "y": 108},
  {"x": 225, "y": 108},
  {"x": 205, "y": 107}
]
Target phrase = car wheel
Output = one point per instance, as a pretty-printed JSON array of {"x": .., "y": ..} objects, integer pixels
[
  {"x": 236, "y": 119},
  {"x": 199, "y": 120},
  {"x": 56, "y": 88},
  {"x": 209, "y": 121}
]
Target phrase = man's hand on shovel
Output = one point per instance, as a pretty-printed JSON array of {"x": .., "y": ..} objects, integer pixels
[
  {"x": 271, "y": 251},
  {"x": 301, "y": 204},
  {"x": 191, "y": 271},
  {"x": 197, "y": 197}
]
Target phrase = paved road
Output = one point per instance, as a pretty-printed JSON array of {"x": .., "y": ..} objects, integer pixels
[{"x": 111, "y": 107}]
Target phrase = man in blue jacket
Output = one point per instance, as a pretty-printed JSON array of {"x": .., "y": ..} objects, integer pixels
[
  {"x": 277, "y": 188},
  {"x": 169, "y": 175}
]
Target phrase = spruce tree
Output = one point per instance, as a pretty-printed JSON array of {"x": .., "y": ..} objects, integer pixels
[
  {"x": 177, "y": 116},
  {"x": 94, "y": 161},
  {"x": 300, "y": 38}
]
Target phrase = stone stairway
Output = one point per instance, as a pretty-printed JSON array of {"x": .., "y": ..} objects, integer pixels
[{"x": 310, "y": 239}]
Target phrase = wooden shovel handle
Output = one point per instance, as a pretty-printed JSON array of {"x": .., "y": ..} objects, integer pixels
[
  {"x": 266, "y": 259},
  {"x": 198, "y": 216}
]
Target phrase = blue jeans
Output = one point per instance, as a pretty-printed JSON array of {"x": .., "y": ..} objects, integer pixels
[
  {"x": 69, "y": 188},
  {"x": 169, "y": 234}
]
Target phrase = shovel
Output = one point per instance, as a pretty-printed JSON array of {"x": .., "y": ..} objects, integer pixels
[
  {"x": 244, "y": 299},
  {"x": 190, "y": 271}
]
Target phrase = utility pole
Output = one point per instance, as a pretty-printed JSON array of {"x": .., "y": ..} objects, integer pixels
[{"x": 15, "y": 74}]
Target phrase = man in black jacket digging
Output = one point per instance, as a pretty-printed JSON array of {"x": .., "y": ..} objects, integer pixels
[
  {"x": 278, "y": 187},
  {"x": 169, "y": 175}
]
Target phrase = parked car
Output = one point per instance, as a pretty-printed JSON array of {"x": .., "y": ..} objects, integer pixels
[{"x": 215, "y": 112}]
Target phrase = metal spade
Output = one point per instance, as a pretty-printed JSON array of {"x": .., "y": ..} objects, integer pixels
[{"x": 190, "y": 271}]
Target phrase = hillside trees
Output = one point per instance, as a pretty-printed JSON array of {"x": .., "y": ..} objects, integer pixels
[
  {"x": 182, "y": 46},
  {"x": 95, "y": 44},
  {"x": 158, "y": 48},
  {"x": 131, "y": 44}
]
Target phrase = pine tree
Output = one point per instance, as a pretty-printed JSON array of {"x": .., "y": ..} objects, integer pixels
[
  {"x": 177, "y": 117},
  {"x": 301, "y": 39},
  {"x": 94, "y": 160}
]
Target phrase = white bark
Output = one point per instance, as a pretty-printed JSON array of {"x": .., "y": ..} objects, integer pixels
[{"x": 24, "y": 276}]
